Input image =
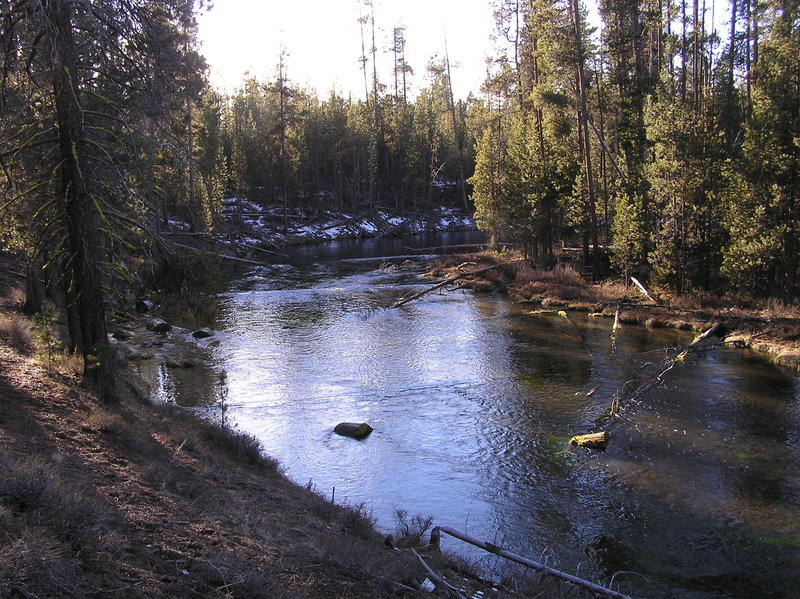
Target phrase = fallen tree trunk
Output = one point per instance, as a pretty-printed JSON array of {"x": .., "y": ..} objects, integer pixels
[
  {"x": 592, "y": 440},
  {"x": 223, "y": 256},
  {"x": 462, "y": 275},
  {"x": 460, "y": 246},
  {"x": 504, "y": 553},
  {"x": 698, "y": 341},
  {"x": 247, "y": 246}
]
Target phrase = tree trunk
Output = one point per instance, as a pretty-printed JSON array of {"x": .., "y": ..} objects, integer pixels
[
  {"x": 456, "y": 141},
  {"x": 82, "y": 235},
  {"x": 34, "y": 293},
  {"x": 585, "y": 139}
]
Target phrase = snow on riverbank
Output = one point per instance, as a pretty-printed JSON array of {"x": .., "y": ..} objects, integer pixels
[{"x": 254, "y": 224}]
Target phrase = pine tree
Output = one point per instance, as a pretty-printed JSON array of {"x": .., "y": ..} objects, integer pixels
[{"x": 763, "y": 201}]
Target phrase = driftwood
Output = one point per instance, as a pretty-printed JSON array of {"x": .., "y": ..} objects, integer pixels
[
  {"x": 492, "y": 548},
  {"x": 592, "y": 440},
  {"x": 452, "y": 279},
  {"x": 223, "y": 256},
  {"x": 451, "y": 590}
]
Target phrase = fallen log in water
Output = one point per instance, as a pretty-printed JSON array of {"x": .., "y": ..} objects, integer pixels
[
  {"x": 222, "y": 256},
  {"x": 504, "y": 553},
  {"x": 667, "y": 365},
  {"x": 698, "y": 341},
  {"x": 451, "y": 280},
  {"x": 592, "y": 440}
]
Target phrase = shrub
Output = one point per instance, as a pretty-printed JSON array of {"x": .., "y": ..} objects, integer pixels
[
  {"x": 17, "y": 331},
  {"x": 37, "y": 498},
  {"x": 410, "y": 531}
]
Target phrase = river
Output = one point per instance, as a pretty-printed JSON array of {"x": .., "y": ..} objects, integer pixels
[{"x": 473, "y": 401}]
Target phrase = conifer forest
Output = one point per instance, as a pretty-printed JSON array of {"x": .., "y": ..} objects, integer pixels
[{"x": 662, "y": 141}]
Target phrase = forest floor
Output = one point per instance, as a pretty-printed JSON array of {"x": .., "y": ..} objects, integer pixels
[
  {"x": 770, "y": 327},
  {"x": 137, "y": 500}
]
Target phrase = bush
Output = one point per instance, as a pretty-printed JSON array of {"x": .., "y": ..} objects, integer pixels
[
  {"x": 242, "y": 447},
  {"x": 37, "y": 498},
  {"x": 410, "y": 531},
  {"x": 17, "y": 331}
]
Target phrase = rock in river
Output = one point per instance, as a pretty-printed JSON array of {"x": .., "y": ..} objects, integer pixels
[
  {"x": 143, "y": 306},
  {"x": 353, "y": 429},
  {"x": 159, "y": 326}
]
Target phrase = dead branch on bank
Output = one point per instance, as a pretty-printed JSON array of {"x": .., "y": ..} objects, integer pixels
[
  {"x": 524, "y": 561},
  {"x": 450, "y": 589},
  {"x": 222, "y": 256},
  {"x": 451, "y": 280}
]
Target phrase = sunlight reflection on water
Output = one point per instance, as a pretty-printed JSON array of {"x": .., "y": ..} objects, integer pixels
[{"x": 473, "y": 403}]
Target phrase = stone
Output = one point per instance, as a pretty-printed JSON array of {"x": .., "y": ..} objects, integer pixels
[
  {"x": 159, "y": 326},
  {"x": 353, "y": 429},
  {"x": 143, "y": 306}
]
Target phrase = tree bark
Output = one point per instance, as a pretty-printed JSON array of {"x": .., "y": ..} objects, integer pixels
[
  {"x": 34, "y": 293},
  {"x": 83, "y": 240},
  {"x": 585, "y": 139}
]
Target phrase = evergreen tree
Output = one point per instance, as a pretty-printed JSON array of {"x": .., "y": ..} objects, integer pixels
[
  {"x": 80, "y": 100},
  {"x": 763, "y": 200}
]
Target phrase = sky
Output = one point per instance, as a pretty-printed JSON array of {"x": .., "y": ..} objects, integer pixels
[{"x": 322, "y": 39}]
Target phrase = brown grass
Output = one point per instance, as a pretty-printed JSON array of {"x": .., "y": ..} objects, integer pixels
[
  {"x": 17, "y": 331},
  {"x": 769, "y": 326}
]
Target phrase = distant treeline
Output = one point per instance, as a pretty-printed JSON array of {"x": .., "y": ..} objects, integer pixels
[{"x": 667, "y": 147}]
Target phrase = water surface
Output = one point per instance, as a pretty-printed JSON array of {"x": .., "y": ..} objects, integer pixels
[{"x": 473, "y": 401}]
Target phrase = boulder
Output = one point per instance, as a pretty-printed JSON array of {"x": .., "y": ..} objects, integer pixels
[
  {"x": 353, "y": 429},
  {"x": 159, "y": 326},
  {"x": 202, "y": 333},
  {"x": 143, "y": 306}
]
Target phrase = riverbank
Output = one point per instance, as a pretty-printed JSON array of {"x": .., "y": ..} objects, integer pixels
[
  {"x": 138, "y": 500},
  {"x": 250, "y": 229},
  {"x": 768, "y": 326}
]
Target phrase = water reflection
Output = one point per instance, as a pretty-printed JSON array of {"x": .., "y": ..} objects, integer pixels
[{"x": 473, "y": 401}]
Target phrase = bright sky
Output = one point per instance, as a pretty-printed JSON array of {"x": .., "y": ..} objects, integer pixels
[{"x": 323, "y": 41}]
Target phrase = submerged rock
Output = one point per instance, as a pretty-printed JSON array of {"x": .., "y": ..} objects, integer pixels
[
  {"x": 353, "y": 429},
  {"x": 202, "y": 333}
]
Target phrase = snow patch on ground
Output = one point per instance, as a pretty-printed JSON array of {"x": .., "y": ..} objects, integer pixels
[{"x": 262, "y": 226}]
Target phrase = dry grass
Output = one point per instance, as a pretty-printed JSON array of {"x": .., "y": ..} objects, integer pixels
[
  {"x": 17, "y": 331},
  {"x": 49, "y": 520},
  {"x": 562, "y": 283},
  {"x": 778, "y": 309}
]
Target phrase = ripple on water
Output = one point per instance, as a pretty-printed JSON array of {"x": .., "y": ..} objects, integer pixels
[{"x": 473, "y": 403}]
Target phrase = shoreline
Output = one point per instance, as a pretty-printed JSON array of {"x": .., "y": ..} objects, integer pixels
[
  {"x": 150, "y": 501},
  {"x": 771, "y": 330}
]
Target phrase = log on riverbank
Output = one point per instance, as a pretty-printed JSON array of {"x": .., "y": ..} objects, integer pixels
[{"x": 452, "y": 279}]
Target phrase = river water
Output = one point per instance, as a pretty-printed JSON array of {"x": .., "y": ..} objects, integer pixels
[{"x": 473, "y": 401}]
